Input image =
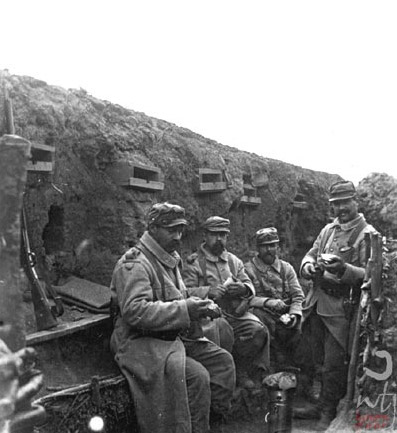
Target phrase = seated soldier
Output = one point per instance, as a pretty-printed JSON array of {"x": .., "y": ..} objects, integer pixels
[
  {"x": 175, "y": 375},
  {"x": 279, "y": 297},
  {"x": 215, "y": 273}
]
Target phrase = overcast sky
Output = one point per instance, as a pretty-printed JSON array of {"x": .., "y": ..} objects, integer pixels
[{"x": 312, "y": 83}]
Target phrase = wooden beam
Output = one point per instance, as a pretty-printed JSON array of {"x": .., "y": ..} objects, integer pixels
[{"x": 66, "y": 328}]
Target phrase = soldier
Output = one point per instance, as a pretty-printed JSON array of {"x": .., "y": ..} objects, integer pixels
[
  {"x": 279, "y": 297},
  {"x": 215, "y": 273},
  {"x": 173, "y": 372},
  {"x": 336, "y": 262}
]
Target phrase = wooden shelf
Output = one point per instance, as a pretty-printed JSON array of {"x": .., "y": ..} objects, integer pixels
[
  {"x": 137, "y": 176},
  {"x": 40, "y": 166},
  {"x": 300, "y": 204},
  {"x": 66, "y": 328},
  {"x": 42, "y": 158},
  {"x": 142, "y": 184},
  {"x": 248, "y": 200},
  {"x": 211, "y": 180}
]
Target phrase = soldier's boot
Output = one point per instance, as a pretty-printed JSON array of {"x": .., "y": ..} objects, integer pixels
[
  {"x": 306, "y": 389},
  {"x": 243, "y": 380},
  {"x": 327, "y": 415}
]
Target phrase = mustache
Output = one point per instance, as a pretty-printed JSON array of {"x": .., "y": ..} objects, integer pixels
[
  {"x": 174, "y": 244},
  {"x": 218, "y": 246}
]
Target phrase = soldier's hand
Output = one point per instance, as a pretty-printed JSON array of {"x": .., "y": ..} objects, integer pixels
[
  {"x": 308, "y": 271},
  {"x": 293, "y": 322},
  {"x": 216, "y": 292},
  {"x": 197, "y": 307},
  {"x": 276, "y": 305},
  {"x": 337, "y": 266},
  {"x": 237, "y": 289}
]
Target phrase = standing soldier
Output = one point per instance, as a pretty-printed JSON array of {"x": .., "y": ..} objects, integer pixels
[
  {"x": 336, "y": 263},
  {"x": 279, "y": 297},
  {"x": 215, "y": 273},
  {"x": 174, "y": 374}
]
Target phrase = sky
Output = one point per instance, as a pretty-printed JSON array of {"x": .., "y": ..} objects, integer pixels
[{"x": 311, "y": 83}]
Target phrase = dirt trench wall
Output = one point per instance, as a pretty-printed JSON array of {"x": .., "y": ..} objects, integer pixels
[
  {"x": 81, "y": 220},
  {"x": 377, "y": 194}
]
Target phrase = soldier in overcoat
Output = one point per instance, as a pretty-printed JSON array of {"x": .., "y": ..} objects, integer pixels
[
  {"x": 174, "y": 373},
  {"x": 336, "y": 264}
]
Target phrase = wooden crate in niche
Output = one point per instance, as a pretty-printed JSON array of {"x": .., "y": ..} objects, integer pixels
[
  {"x": 42, "y": 158},
  {"x": 137, "y": 176},
  {"x": 300, "y": 202},
  {"x": 211, "y": 180},
  {"x": 250, "y": 197}
]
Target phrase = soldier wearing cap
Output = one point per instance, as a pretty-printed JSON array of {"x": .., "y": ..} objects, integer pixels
[
  {"x": 215, "y": 273},
  {"x": 175, "y": 375},
  {"x": 336, "y": 264},
  {"x": 278, "y": 299}
]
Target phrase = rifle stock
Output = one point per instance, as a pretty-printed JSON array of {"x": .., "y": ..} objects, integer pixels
[
  {"x": 351, "y": 376},
  {"x": 45, "y": 318},
  {"x": 376, "y": 281}
]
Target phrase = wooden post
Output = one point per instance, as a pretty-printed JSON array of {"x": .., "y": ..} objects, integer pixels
[{"x": 14, "y": 154}]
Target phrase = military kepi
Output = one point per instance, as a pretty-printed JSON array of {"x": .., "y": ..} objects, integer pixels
[
  {"x": 342, "y": 190},
  {"x": 167, "y": 215},
  {"x": 268, "y": 235},
  {"x": 217, "y": 224}
]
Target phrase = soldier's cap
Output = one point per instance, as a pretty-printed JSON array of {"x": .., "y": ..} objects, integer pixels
[
  {"x": 268, "y": 235},
  {"x": 216, "y": 224},
  {"x": 167, "y": 215},
  {"x": 341, "y": 190}
]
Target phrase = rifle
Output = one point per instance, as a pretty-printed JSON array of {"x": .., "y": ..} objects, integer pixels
[
  {"x": 376, "y": 286},
  {"x": 45, "y": 315},
  {"x": 372, "y": 242}
]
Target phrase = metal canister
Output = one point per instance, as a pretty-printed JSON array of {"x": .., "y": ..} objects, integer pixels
[{"x": 279, "y": 411}]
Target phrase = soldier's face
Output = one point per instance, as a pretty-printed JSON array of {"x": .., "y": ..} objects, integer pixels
[
  {"x": 268, "y": 252},
  {"x": 216, "y": 241},
  {"x": 169, "y": 238},
  {"x": 345, "y": 210}
]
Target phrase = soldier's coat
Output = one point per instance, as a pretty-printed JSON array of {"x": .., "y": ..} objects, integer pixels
[
  {"x": 161, "y": 399},
  {"x": 329, "y": 307}
]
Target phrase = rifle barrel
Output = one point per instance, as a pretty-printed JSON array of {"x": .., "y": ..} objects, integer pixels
[{"x": 42, "y": 308}]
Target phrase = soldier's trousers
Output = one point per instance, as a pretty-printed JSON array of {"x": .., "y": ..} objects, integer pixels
[
  {"x": 246, "y": 337},
  {"x": 211, "y": 378},
  {"x": 251, "y": 349},
  {"x": 332, "y": 357}
]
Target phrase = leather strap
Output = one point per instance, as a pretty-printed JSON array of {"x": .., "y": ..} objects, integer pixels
[
  {"x": 203, "y": 266},
  {"x": 154, "y": 262}
]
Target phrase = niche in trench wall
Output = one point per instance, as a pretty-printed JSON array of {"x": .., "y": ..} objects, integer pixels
[
  {"x": 250, "y": 195},
  {"x": 53, "y": 232}
]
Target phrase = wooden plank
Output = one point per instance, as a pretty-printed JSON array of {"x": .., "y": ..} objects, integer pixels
[
  {"x": 139, "y": 183},
  {"x": 79, "y": 389},
  {"x": 300, "y": 204},
  {"x": 40, "y": 166},
  {"x": 210, "y": 171},
  {"x": 65, "y": 328},
  {"x": 148, "y": 168},
  {"x": 212, "y": 186},
  {"x": 253, "y": 201},
  {"x": 45, "y": 147}
]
